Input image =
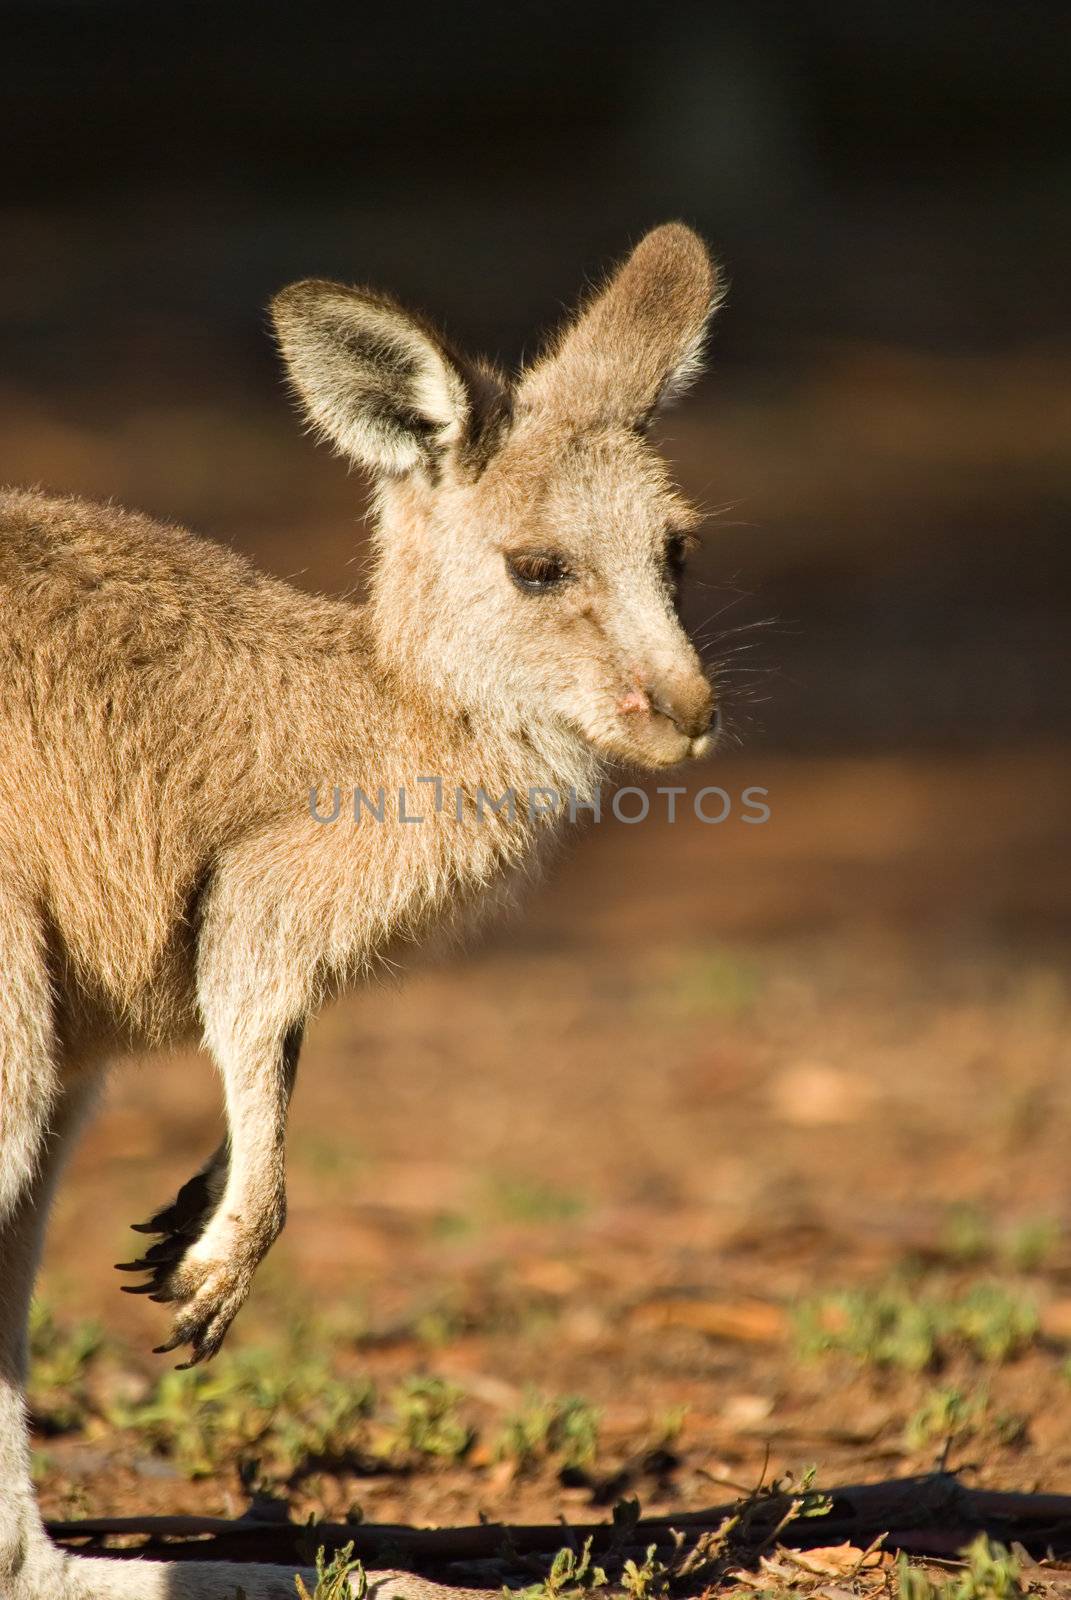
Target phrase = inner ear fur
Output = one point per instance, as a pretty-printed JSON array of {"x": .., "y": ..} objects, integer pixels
[
  {"x": 380, "y": 382},
  {"x": 638, "y": 342}
]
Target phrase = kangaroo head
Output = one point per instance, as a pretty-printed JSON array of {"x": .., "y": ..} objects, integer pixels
[{"x": 529, "y": 544}]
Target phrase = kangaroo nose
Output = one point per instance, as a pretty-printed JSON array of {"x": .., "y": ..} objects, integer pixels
[{"x": 694, "y": 713}]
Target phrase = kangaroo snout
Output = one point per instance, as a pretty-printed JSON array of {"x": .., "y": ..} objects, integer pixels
[
  {"x": 692, "y": 711},
  {"x": 685, "y": 702},
  {"x": 690, "y": 708}
]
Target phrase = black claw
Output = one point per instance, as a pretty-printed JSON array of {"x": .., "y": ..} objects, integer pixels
[
  {"x": 177, "y": 1337},
  {"x": 177, "y": 1226},
  {"x": 160, "y": 1222},
  {"x": 150, "y": 1263},
  {"x": 156, "y": 1224},
  {"x": 164, "y": 1253}
]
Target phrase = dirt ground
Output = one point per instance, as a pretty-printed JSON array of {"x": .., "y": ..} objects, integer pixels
[
  {"x": 720, "y": 1098},
  {"x": 741, "y": 1149}
]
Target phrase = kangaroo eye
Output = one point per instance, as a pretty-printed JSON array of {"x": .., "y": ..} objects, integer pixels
[
  {"x": 674, "y": 557},
  {"x": 675, "y": 554},
  {"x": 536, "y": 571}
]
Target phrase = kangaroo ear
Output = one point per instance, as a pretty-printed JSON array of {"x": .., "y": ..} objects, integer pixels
[
  {"x": 372, "y": 378},
  {"x": 638, "y": 342}
]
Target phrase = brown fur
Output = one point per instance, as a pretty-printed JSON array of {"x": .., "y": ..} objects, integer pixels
[{"x": 166, "y": 710}]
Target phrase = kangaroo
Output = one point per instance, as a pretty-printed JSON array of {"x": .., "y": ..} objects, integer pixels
[{"x": 174, "y": 724}]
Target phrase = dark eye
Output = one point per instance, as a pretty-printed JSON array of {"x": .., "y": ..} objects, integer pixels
[
  {"x": 675, "y": 554},
  {"x": 536, "y": 571}
]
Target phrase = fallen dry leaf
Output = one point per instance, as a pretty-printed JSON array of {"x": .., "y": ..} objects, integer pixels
[
  {"x": 745, "y": 1410},
  {"x": 835, "y": 1560},
  {"x": 749, "y": 1321},
  {"x": 812, "y": 1094},
  {"x": 548, "y": 1276}
]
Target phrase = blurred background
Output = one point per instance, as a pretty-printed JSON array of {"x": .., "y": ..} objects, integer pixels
[{"x": 724, "y": 1064}]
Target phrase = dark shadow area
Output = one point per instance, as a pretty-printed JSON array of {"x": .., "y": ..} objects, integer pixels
[{"x": 935, "y": 1516}]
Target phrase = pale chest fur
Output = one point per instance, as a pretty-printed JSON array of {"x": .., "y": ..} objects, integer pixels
[{"x": 375, "y": 869}]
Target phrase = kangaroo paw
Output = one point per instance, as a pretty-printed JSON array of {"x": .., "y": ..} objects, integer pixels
[{"x": 209, "y": 1285}]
